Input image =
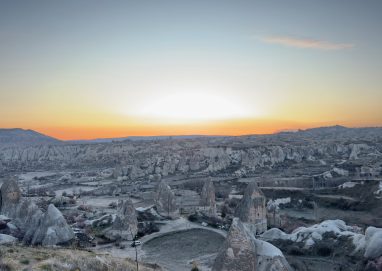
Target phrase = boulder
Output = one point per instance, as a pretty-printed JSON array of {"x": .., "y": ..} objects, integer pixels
[
  {"x": 373, "y": 238},
  {"x": 7, "y": 239}
]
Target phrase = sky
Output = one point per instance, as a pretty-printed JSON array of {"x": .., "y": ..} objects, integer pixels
[{"x": 94, "y": 69}]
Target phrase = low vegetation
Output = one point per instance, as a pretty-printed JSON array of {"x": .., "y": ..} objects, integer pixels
[{"x": 27, "y": 258}]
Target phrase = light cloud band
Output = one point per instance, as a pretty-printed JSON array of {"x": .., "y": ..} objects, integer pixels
[{"x": 306, "y": 43}]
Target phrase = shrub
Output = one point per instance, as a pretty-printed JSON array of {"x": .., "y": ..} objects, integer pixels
[{"x": 24, "y": 261}]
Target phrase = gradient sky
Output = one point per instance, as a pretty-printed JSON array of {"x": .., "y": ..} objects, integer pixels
[{"x": 87, "y": 69}]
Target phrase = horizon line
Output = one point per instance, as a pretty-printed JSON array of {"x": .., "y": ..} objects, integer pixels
[{"x": 291, "y": 130}]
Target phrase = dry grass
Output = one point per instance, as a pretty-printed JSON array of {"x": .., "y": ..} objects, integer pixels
[{"x": 17, "y": 258}]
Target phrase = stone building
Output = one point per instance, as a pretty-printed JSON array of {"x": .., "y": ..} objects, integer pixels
[{"x": 252, "y": 209}]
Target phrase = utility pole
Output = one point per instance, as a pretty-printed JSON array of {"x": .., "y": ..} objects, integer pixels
[
  {"x": 168, "y": 205},
  {"x": 135, "y": 246},
  {"x": 136, "y": 256}
]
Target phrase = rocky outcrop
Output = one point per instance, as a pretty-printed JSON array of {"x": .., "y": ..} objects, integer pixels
[
  {"x": 355, "y": 150},
  {"x": 125, "y": 225},
  {"x": 7, "y": 239},
  {"x": 242, "y": 251},
  {"x": 252, "y": 209},
  {"x": 165, "y": 200},
  {"x": 9, "y": 194},
  {"x": 236, "y": 156},
  {"x": 148, "y": 213},
  {"x": 336, "y": 236},
  {"x": 207, "y": 198},
  {"x": 52, "y": 229},
  {"x": 374, "y": 265},
  {"x": 373, "y": 240},
  {"x": 34, "y": 226}
]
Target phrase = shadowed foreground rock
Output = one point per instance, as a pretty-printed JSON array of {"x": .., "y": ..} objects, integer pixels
[
  {"x": 35, "y": 226},
  {"x": 52, "y": 229},
  {"x": 242, "y": 251}
]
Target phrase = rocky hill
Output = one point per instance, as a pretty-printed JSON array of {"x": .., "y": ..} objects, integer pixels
[{"x": 21, "y": 137}]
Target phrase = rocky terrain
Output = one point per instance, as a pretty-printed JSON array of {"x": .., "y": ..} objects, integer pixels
[
  {"x": 303, "y": 200},
  {"x": 320, "y": 149}
]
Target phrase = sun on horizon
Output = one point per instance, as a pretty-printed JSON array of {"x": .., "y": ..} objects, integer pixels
[{"x": 83, "y": 70}]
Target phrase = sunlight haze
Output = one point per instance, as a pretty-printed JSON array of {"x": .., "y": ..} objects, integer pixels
[{"x": 85, "y": 70}]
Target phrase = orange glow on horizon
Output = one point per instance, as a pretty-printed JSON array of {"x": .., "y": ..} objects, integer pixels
[{"x": 229, "y": 128}]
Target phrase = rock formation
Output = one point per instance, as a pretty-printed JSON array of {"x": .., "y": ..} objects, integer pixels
[
  {"x": 141, "y": 159},
  {"x": 242, "y": 251},
  {"x": 373, "y": 239},
  {"x": 165, "y": 200},
  {"x": 252, "y": 209},
  {"x": 52, "y": 229},
  {"x": 363, "y": 246},
  {"x": 9, "y": 194},
  {"x": 35, "y": 226},
  {"x": 7, "y": 239},
  {"x": 207, "y": 198},
  {"x": 125, "y": 225}
]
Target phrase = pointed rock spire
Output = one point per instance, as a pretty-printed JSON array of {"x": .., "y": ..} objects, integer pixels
[
  {"x": 165, "y": 199},
  {"x": 252, "y": 208},
  {"x": 207, "y": 197},
  {"x": 242, "y": 251}
]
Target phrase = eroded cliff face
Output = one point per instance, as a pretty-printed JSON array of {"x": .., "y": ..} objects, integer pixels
[
  {"x": 138, "y": 161},
  {"x": 232, "y": 156}
]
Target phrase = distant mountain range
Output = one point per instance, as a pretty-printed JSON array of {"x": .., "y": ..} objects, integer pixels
[
  {"x": 18, "y": 136},
  {"x": 139, "y": 138}
]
